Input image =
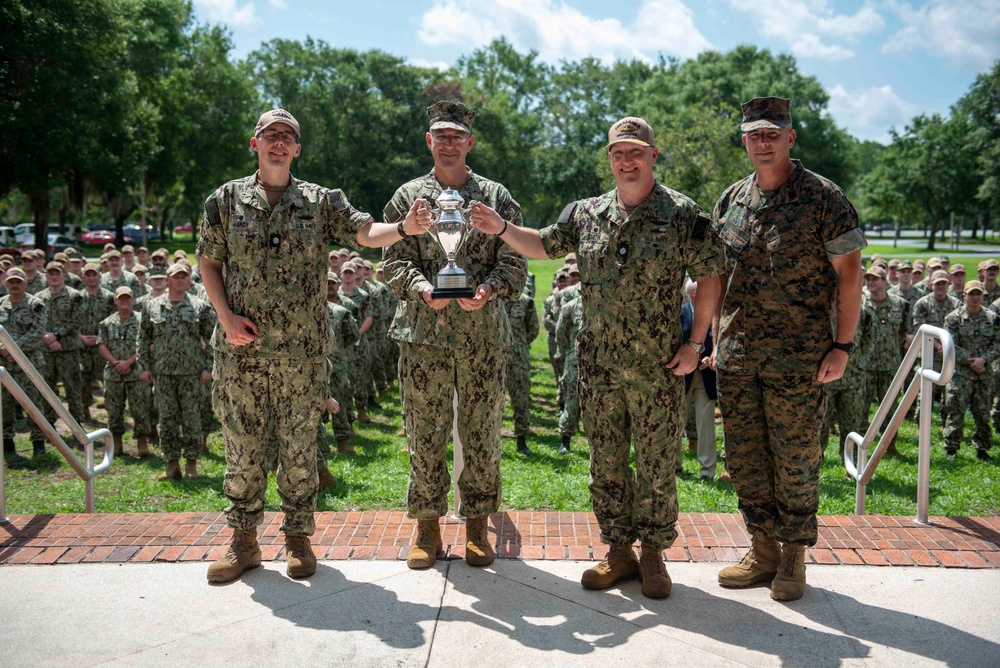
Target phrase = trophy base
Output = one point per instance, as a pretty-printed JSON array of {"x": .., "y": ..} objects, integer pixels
[{"x": 453, "y": 293}]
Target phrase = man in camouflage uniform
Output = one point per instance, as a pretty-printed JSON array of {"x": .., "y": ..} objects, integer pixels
[
  {"x": 634, "y": 245},
  {"x": 793, "y": 255},
  {"x": 956, "y": 273},
  {"x": 64, "y": 310},
  {"x": 550, "y": 317},
  {"x": 117, "y": 337},
  {"x": 976, "y": 331},
  {"x": 117, "y": 276},
  {"x": 904, "y": 288},
  {"x": 885, "y": 321},
  {"x": 988, "y": 271},
  {"x": 846, "y": 400},
  {"x": 523, "y": 319},
  {"x": 931, "y": 309},
  {"x": 344, "y": 334},
  {"x": 173, "y": 326},
  {"x": 23, "y": 316},
  {"x": 33, "y": 262},
  {"x": 567, "y": 331},
  {"x": 450, "y": 347},
  {"x": 98, "y": 304},
  {"x": 271, "y": 234}
]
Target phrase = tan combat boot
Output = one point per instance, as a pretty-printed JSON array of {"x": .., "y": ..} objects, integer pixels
[
  {"x": 653, "y": 572},
  {"x": 619, "y": 564},
  {"x": 191, "y": 468},
  {"x": 478, "y": 551},
  {"x": 242, "y": 555},
  {"x": 326, "y": 479},
  {"x": 119, "y": 446},
  {"x": 301, "y": 560},
  {"x": 173, "y": 471},
  {"x": 759, "y": 564},
  {"x": 344, "y": 447},
  {"x": 363, "y": 416},
  {"x": 142, "y": 447},
  {"x": 790, "y": 582},
  {"x": 424, "y": 551}
]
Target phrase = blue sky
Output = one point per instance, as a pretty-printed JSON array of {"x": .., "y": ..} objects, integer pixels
[{"x": 881, "y": 61}]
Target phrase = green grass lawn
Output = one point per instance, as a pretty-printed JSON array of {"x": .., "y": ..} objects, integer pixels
[{"x": 375, "y": 478}]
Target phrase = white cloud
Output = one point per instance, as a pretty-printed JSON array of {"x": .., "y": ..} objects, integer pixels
[
  {"x": 811, "y": 28},
  {"x": 558, "y": 31},
  {"x": 226, "y": 11},
  {"x": 869, "y": 114},
  {"x": 278, "y": 4},
  {"x": 966, "y": 32},
  {"x": 431, "y": 64}
]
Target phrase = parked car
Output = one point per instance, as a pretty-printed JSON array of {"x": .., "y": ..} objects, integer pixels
[
  {"x": 24, "y": 233},
  {"x": 135, "y": 231},
  {"x": 186, "y": 228},
  {"x": 56, "y": 243},
  {"x": 101, "y": 237}
]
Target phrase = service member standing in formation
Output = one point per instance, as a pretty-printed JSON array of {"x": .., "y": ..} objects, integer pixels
[
  {"x": 452, "y": 346},
  {"x": 64, "y": 308},
  {"x": 524, "y": 328},
  {"x": 976, "y": 331},
  {"x": 793, "y": 252},
  {"x": 169, "y": 350},
  {"x": 344, "y": 333},
  {"x": 263, "y": 259},
  {"x": 23, "y": 316},
  {"x": 117, "y": 337},
  {"x": 567, "y": 331},
  {"x": 931, "y": 309},
  {"x": 634, "y": 245},
  {"x": 98, "y": 304}
]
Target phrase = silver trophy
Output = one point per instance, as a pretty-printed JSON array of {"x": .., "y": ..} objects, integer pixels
[{"x": 450, "y": 227}]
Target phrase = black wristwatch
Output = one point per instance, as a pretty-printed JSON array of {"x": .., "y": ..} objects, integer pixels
[
  {"x": 846, "y": 347},
  {"x": 400, "y": 230}
]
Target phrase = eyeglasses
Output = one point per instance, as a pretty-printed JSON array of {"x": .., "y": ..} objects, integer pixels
[
  {"x": 274, "y": 135},
  {"x": 454, "y": 139}
]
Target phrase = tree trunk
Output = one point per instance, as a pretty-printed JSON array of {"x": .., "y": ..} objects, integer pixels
[{"x": 40, "y": 203}]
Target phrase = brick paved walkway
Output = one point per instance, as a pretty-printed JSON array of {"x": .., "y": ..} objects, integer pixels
[{"x": 961, "y": 542}]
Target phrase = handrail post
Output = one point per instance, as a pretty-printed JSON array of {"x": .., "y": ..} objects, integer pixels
[
  {"x": 924, "y": 434},
  {"x": 3, "y": 463}
]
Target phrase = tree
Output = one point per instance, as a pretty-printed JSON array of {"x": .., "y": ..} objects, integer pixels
[{"x": 980, "y": 108}]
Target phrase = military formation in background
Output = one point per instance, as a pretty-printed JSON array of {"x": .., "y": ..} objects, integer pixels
[{"x": 139, "y": 325}]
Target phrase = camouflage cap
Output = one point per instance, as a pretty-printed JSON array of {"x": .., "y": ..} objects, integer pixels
[
  {"x": 123, "y": 290},
  {"x": 877, "y": 271},
  {"x": 939, "y": 276},
  {"x": 919, "y": 264},
  {"x": 90, "y": 266},
  {"x": 934, "y": 262},
  {"x": 161, "y": 252},
  {"x": 904, "y": 265},
  {"x": 348, "y": 267},
  {"x": 180, "y": 252},
  {"x": 74, "y": 254},
  {"x": 55, "y": 266},
  {"x": 128, "y": 248},
  {"x": 631, "y": 129},
  {"x": 109, "y": 247},
  {"x": 15, "y": 274},
  {"x": 957, "y": 268},
  {"x": 561, "y": 274},
  {"x": 368, "y": 265},
  {"x": 990, "y": 264},
  {"x": 766, "y": 112},
  {"x": 343, "y": 252},
  {"x": 893, "y": 263},
  {"x": 7, "y": 260},
  {"x": 570, "y": 258},
  {"x": 974, "y": 286},
  {"x": 139, "y": 269},
  {"x": 114, "y": 252},
  {"x": 156, "y": 271},
  {"x": 454, "y": 115},
  {"x": 331, "y": 277},
  {"x": 573, "y": 270},
  {"x": 60, "y": 257},
  {"x": 944, "y": 259},
  {"x": 141, "y": 249},
  {"x": 269, "y": 118},
  {"x": 880, "y": 263},
  {"x": 178, "y": 268}
]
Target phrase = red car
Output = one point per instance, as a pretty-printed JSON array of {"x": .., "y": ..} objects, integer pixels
[
  {"x": 101, "y": 237},
  {"x": 186, "y": 228}
]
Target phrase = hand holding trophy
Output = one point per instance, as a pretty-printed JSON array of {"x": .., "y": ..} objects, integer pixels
[{"x": 450, "y": 228}]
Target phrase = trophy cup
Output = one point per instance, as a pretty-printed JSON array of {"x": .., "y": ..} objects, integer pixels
[{"x": 450, "y": 228}]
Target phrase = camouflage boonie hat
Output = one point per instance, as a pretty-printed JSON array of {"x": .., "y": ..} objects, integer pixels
[
  {"x": 940, "y": 275},
  {"x": 957, "y": 269},
  {"x": 631, "y": 129},
  {"x": 123, "y": 290},
  {"x": 878, "y": 271},
  {"x": 454, "y": 115},
  {"x": 15, "y": 273},
  {"x": 331, "y": 277},
  {"x": 90, "y": 266},
  {"x": 269, "y": 118},
  {"x": 766, "y": 112},
  {"x": 972, "y": 286}
]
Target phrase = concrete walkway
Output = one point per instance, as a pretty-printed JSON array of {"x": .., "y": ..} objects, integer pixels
[{"x": 514, "y": 613}]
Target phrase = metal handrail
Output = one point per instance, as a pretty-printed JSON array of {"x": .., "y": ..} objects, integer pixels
[
  {"x": 925, "y": 375},
  {"x": 86, "y": 470}
]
